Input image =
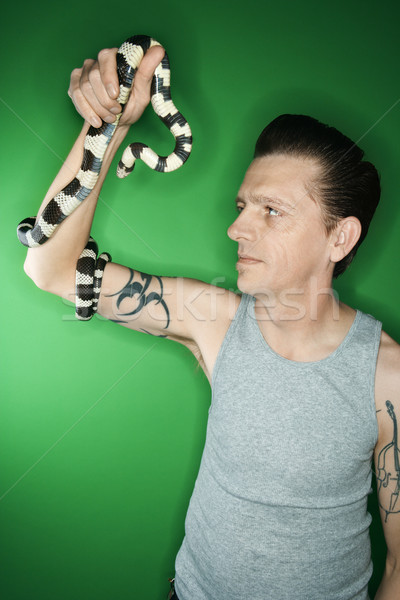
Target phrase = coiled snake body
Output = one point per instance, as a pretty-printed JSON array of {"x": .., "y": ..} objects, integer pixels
[{"x": 90, "y": 269}]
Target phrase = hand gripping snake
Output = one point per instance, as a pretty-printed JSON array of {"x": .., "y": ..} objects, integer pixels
[{"x": 89, "y": 269}]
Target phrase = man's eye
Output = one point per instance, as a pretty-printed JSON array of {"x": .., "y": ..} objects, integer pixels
[
  {"x": 273, "y": 212},
  {"x": 239, "y": 208}
]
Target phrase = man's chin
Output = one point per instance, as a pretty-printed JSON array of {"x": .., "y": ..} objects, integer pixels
[{"x": 245, "y": 286}]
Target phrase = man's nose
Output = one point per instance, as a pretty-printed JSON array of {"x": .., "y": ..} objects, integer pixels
[{"x": 242, "y": 228}]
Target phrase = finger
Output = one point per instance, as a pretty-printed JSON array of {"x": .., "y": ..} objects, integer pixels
[
  {"x": 108, "y": 107},
  {"x": 107, "y": 59},
  {"x": 140, "y": 95},
  {"x": 91, "y": 89},
  {"x": 146, "y": 69},
  {"x": 80, "y": 102}
]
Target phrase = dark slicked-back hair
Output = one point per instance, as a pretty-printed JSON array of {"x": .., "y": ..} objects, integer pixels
[{"x": 348, "y": 186}]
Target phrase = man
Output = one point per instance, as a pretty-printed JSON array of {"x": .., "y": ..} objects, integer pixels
[{"x": 305, "y": 388}]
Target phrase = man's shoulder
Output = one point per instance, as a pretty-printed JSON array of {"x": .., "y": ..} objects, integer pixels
[
  {"x": 389, "y": 353},
  {"x": 388, "y": 368}
]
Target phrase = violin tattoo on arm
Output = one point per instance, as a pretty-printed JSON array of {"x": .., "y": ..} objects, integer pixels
[
  {"x": 137, "y": 288},
  {"x": 388, "y": 475}
]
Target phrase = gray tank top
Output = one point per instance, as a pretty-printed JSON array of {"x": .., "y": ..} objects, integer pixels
[{"x": 279, "y": 508}]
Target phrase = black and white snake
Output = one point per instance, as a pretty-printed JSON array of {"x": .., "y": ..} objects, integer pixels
[{"x": 89, "y": 269}]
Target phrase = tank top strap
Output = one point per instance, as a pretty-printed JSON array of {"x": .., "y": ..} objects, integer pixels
[
  {"x": 239, "y": 321},
  {"x": 358, "y": 355},
  {"x": 365, "y": 333}
]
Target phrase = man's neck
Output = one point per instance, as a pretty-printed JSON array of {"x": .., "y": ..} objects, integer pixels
[{"x": 303, "y": 326}]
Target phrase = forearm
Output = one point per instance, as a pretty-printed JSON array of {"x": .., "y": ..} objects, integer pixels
[
  {"x": 52, "y": 265},
  {"x": 389, "y": 588}
]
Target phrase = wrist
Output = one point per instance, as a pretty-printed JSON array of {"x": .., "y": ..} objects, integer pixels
[{"x": 123, "y": 129}]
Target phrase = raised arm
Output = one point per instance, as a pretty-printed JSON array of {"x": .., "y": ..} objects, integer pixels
[
  {"x": 185, "y": 310},
  {"x": 93, "y": 89}
]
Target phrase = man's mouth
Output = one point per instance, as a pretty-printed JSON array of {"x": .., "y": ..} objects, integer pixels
[{"x": 246, "y": 259}]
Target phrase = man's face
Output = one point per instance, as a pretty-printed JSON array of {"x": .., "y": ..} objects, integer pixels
[{"x": 282, "y": 239}]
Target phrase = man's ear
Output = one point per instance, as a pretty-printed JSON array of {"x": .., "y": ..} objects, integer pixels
[{"x": 344, "y": 237}]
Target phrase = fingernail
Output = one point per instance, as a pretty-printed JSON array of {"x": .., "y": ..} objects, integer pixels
[
  {"x": 115, "y": 110},
  {"x": 95, "y": 122},
  {"x": 112, "y": 90},
  {"x": 109, "y": 119}
]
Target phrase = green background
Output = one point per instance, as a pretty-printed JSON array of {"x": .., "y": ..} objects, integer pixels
[{"x": 101, "y": 429}]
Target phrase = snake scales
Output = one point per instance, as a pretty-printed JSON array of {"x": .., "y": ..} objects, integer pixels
[{"x": 32, "y": 233}]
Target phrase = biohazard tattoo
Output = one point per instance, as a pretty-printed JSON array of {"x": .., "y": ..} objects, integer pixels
[
  {"x": 388, "y": 475},
  {"x": 138, "y": 289}
]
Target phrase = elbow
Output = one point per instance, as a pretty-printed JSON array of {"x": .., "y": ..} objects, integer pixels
[
  {"x": 45, "y": 277},
  {"x": 35, "y": 274},
  {"x": 54, "y": 277}
]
